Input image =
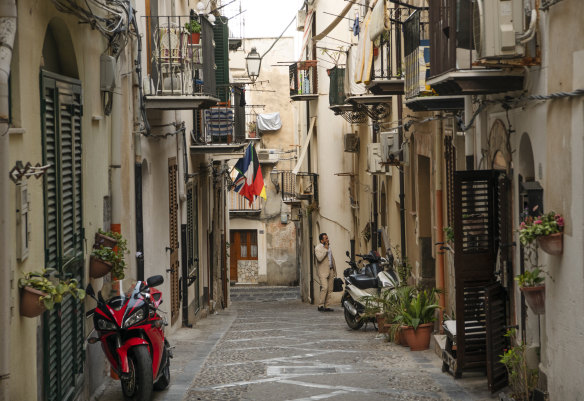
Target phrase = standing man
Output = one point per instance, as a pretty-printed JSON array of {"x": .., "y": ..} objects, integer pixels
[{"x": 326, "y": 271}]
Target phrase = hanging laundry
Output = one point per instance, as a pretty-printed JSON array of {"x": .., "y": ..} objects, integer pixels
[{"x": 356, "y": 28}]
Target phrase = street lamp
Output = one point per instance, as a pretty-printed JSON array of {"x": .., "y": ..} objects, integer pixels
[{"x": 253, "y": 63}]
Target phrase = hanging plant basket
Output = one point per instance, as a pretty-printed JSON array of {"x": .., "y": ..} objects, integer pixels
[
  {"x": 552, "y": 244},
  {"x": 98, "y": 268},
  {"x": 104, "y": 240},
  {"x": 30, "y": 302},
  {"x": 535, "y": 298}
]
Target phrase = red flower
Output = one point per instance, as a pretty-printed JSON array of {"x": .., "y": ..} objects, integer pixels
[{"x": 537, "y": 222}]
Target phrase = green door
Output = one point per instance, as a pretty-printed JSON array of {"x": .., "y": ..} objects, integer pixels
[{"x": 63, "y": 354}]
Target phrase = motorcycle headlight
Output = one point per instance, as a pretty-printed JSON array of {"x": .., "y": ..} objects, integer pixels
[
  {"x": 135, "y": 318},
  {"x": 103, "y": 324}
]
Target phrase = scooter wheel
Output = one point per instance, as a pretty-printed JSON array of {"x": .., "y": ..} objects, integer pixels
[
  {"x": 353, "y": 321},
  {"x": 138, "y": 386}
]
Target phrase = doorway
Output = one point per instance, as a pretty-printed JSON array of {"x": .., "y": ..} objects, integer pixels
[{"x": 244, "y": 256}]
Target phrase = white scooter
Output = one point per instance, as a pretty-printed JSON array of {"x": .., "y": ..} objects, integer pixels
[{"x": 375, "y": 277}]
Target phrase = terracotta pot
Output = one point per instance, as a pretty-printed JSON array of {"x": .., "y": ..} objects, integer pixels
[
  {"x": 375, "y": 51},
  {"x": 419, "y": 339},
  {"x": 195, "y": 38},
  {"x": 104, "y": 240},
  {"x": 98, "y": 268},
  {"x": 381, "y": 326},
  {"x": 30, "y": 302},
  {"x": 535, "y": 298},
  {"x": 552, "y": 244}
]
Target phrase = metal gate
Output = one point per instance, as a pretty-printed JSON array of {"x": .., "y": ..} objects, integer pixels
[{"x": 480, "y": 299}]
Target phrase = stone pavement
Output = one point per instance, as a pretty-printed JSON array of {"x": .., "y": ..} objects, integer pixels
[{"x": 270, "y": 346}]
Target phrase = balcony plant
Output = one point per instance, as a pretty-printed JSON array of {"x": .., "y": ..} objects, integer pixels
[
  {"x": 546, "y": 229},
  {"x": 42, "y": 290},
  {"x": 418, "y": 315},
  {"x": 522, "y": 379},
  {"x": 194, "y": 28},
  {"x": 106, "y": 258}
]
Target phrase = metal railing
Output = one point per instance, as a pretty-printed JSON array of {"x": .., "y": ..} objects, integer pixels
[
  {"x": 238, "y": 203},
  {"x": 417, "y": 54},
  {"x": 178, "y": 64},
  {"x": 390, "y": 46},
  {"x": 303, "y": 78},
  {"x": 298, "y": 187}
]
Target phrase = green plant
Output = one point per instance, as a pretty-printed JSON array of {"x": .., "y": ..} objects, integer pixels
[
  {"x": 449, "y": 231},
  {"x": 113, "y": 255},
  {"x": 533, "y": 227},
  {"x": 522, "y": 379},
  {"x": 531, "y": 278},
  {"x": 418, "y": 309},
  {"x": 54, "y": 288},
  {"x": 193, "y": 26}
]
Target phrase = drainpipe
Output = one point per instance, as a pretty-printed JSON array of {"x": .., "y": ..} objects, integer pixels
[
  {"x": 469, "y": 136},
  {"x": 400, "y": 116},
  {"x": 438, "y": 158},
  {"x": 310, "y": 236},
  {"x": 7, "y": 34},
  {"x": 374, "y": 234},
  {"x": 116, "y": 162}
]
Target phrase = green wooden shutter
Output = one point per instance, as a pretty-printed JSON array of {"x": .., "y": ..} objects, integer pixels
[
  {"x": 221, "y": 35},
  {"x": 63, "y": 327}
]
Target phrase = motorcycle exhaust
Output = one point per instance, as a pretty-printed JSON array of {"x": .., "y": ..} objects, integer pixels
[{"x": 349, "y": 306}]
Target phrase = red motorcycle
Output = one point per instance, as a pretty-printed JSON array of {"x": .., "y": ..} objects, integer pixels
[{"x": 131, "y": 333}]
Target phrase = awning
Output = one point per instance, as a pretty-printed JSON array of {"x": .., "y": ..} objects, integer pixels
[
  {"x": 335, "y": 22},
  {"x": 304, "y": 147}
]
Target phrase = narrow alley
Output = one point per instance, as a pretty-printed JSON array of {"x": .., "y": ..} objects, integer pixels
[{"x": 270, "y": 346}]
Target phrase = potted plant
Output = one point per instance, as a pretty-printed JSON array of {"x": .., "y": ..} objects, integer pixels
[
  {"x": 417, "y": 314},
  {"x": 103, "y": 238},
  {"x": 531, "y": 283},
  {"x": 42, "y": 290},
  {"x": 547, "y": 229},
  {"x": 194, "y": 28},
  {"x": 105, "y": 259},
  {"x": 522, "y": 379},
  {"x": 252, "y": 129}
]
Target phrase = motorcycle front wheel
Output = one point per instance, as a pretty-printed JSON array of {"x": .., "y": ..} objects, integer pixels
[
  {"x": 138, "y": 386},
  {"x": 352, "y": 321}
]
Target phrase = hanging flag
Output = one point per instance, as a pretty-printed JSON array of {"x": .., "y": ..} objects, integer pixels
[{"x": 249, "y": 181}]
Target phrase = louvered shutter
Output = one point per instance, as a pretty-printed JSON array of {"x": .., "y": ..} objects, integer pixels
[
  {"x": 221, "y": 34},
  {"x": 63, "y": 327},
  {"x": 173, "y": 236}
]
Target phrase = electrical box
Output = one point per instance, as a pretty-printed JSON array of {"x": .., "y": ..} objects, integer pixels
[
  {"x": 107, "y": 76},
  {"x": 300, "y": 20},
  {"x": 496, "y": 24},
  {"x": 351, "y": 142},
  {"x": 374, "y": 161},
  {"x": 268, "y": 155},
  {"x": 22, "y": 221},
  {"x": 390, "y": 146}
]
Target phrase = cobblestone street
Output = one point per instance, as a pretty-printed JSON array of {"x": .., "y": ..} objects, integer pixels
[{"x": 271, "y": 346}]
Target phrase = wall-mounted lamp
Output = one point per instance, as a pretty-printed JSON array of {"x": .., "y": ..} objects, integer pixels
[
  {"x": 275, "y": 178},
  {"x": 253, "y": 63}
]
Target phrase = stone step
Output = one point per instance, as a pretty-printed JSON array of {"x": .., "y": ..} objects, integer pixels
[{"x": 262, "y": 293}]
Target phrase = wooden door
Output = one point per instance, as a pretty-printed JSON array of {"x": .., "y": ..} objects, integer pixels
[{"x": 244, "y": 246}]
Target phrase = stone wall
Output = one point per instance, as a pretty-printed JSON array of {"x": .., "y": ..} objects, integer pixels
[{"x": 247, "y": 271}]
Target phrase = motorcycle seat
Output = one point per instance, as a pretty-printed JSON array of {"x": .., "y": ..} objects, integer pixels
[{"x": 364, "y": 281}]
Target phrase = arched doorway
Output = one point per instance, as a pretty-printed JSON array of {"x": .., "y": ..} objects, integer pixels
[{"x": 61, "y": 111}]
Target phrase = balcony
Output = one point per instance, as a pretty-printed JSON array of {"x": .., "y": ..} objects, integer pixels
[
  {"x": 240, "y": 206},
  {"x": 180, "y": 71},
  {"x": 461, "y": 63},
  {"x": 296, "y": 187},
  {"x": 219, "y": 130},
  {"x": 386, "y": 78},
  {"x": 303, "y": 79}
]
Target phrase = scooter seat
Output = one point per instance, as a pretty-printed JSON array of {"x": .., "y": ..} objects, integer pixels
[{"x": 363, "y": 281}]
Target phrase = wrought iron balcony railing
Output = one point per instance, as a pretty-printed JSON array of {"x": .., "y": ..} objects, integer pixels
[
  {"x": 179, "y": 64},
  {"x": 298, "y": 187},
  {"x": 239, "y": 204},
  {"x": 303, "y": 79}
]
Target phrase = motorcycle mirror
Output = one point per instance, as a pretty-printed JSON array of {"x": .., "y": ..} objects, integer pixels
[
  {"x": 154, "y": 280},
  {"x": 89, "y": 291},
  {"x": 348, "y": 254}
]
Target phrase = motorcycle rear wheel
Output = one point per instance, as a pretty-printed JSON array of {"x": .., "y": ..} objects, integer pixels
[
  {"x": 353, "y": 321},
  {"x": 138, "y": 387}
]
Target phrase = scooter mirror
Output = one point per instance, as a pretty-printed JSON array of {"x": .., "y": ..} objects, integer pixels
[
  {"x": 348, "y": 254},
  {"x": 89, "y": 291}
]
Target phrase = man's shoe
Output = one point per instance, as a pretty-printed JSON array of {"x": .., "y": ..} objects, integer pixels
[
  {"x": 328, "y": 310},
  {"x": 321, "y": 309}
]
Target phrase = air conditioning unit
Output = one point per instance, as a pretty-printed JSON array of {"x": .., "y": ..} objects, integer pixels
[
  {"x": 351, "y": 143},
  {"x": 268, "y": 155},
  {"x": 390, "y": 146},
  {"x": 374, "y": 161},
  {"x": 300, "y": 20},
  {"x": 495, "y": 26}
]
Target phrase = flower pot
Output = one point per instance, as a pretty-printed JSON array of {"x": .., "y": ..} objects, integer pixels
[
  {"x": 419, "y": 339},
  {"x": 195, "y": 38},
  {"x": 98, "y": 268},
  {"x": 104, "y": 240},
  {"x": 535, "y": 298},
  {"x": 375, "y": 52},
  {"x": 30, "y": 302},
  {"x": 552, "y": 244}
]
